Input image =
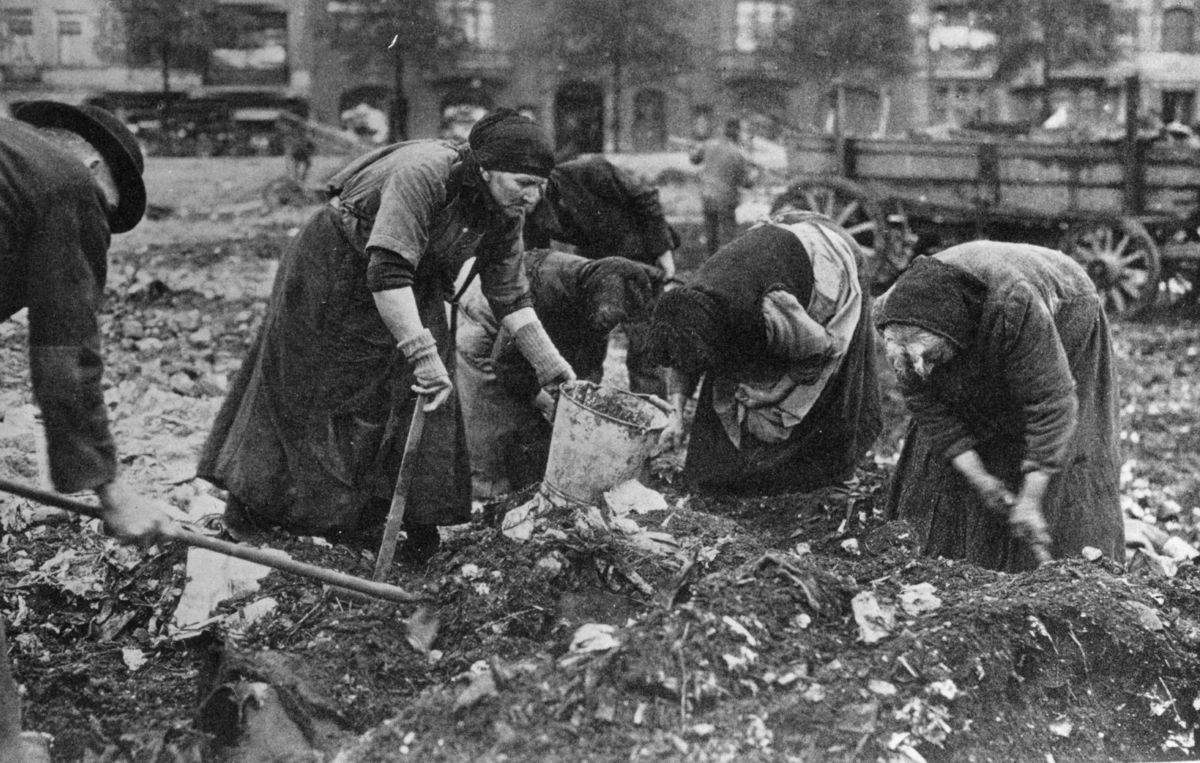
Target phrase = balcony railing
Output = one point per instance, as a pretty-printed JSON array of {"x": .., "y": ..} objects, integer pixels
[
  {"x": 471, "y": 63},
  {"x": 740, "y": 64}
]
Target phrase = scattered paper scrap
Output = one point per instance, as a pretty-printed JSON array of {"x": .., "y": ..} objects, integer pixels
[
  {"x": 633, "y": 497},
  {"x": 594, "y": 637},
  {"x": 875, "y": 621},
  {"x": 212, "y": 578},
  {"x": 133, "y": 658},
  {"x": 919, "y": 598}
]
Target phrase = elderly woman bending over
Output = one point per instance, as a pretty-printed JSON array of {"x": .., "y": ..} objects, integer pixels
[
  {"x": 311, "y": 434},
  {"x": 776, "y": 324},
  {"x": 1004, "y": 358}
]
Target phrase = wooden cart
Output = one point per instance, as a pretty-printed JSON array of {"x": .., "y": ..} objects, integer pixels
[{"x": 1128, "y": 211}]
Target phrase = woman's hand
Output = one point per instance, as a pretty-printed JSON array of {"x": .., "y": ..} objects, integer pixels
[
  {"x": 994, "y": 493},
  {"x": 432, "y": 380},
  {"x": 671, "y": 437},
  {"x": 1026, "y": 521},
  {"x": 1026, "y": 518},
  {"x": 546, "y": 404}
]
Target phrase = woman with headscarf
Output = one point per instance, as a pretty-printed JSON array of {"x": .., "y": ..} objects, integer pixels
[
  {"x": 311, "y": 433},
  {"x": 1005, "y": 361},
  {"x": 579, "y": 301},
  {"x": 776, "y": 323}
]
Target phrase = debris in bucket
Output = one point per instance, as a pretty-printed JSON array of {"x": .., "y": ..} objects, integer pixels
[{"x": 612, "y": 402}]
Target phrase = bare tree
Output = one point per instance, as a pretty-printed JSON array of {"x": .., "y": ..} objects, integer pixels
[
  {"x": 1050, "y": 35},
  {"x": 859, "y": 43},
  {"x": 642, "y": 38},
  {"x": 400, "y": 33},
  {"x": 171, "y": 33}
]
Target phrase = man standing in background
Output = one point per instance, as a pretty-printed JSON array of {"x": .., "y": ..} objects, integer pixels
[{"x": 724, "y": 171}]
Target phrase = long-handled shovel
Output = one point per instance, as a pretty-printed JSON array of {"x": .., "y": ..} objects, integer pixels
[
  {"x": 387, "y": 548},
  {"x": 265, "y": 557}
]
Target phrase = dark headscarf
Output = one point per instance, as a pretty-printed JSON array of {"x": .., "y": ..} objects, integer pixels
[
  {"x": 937, "y": 297},
  {"x": 687, "y": 331},
  {"x": 617, "y": 290},
  {"x": 505, "y": 141}
]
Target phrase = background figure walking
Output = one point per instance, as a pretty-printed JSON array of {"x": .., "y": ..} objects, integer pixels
[{"x": 724, "y": 171}]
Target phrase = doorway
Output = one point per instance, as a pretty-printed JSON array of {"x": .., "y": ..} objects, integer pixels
[{"x": 579, "y": 118}]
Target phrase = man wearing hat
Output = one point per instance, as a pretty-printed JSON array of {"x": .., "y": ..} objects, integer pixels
[
  {"x": 69, "y": 178},
  {"x": 311, "y": 434}
]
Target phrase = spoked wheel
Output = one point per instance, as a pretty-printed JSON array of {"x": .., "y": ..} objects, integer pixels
[
  {"x": 1122, "y": 260},
  {"x": 846, "y": 203}
]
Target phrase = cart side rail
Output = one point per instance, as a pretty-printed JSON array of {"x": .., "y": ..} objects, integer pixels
[{"x": 1042, "y": 180}]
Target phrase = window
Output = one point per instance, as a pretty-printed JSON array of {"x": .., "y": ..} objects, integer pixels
[
  {"x": 758, "y": 22},
  {"x": 1178, "y": 106},
  {"x": 17, "y": 45},
  {"x": 959, "y": 29},
  {"x": 18, "y": 22},
  {"x": 960, "y": 41},
  {"x": 960, "y": 103},
  {"x": 650, "y": 120},
  {"x": 474, "y": 20},
  {"x": 1179, "y": 29},
  {"x": 254, "y": 52},
  {"x": 74, "y": 44}
]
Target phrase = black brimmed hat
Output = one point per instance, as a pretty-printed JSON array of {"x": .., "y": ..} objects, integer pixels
[{"x": 111, "y": 138}]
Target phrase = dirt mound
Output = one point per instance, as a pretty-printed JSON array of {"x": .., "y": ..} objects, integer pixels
[{"x": 770, "y": 658}]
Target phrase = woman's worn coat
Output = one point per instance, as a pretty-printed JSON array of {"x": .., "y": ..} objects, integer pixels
[
  {"x": 819, "y": 429},
  {"x": 602, "y": 211},
  {"x": 507, "y": 435},
  {"x": 311, "y": 432},
  {"x": 1035, "y": 390}
]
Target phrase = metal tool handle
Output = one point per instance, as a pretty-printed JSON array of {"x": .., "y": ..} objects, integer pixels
[{"x": 266, "y": 557}]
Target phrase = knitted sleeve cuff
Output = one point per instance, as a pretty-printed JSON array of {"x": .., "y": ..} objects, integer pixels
[
  {"x": 418, "y": 345},
  {"x": 534, "y": 343}
]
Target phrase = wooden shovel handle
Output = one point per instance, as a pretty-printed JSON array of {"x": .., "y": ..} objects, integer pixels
[{"x": 266, "y": 557}]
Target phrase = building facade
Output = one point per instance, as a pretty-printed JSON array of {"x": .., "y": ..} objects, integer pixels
[
  {"x": 282, "y": 49},
  {"x": 72, "y": 50}
]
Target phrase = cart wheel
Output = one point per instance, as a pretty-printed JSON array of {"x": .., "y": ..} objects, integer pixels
[
  {"x": 850, "y": 206},
  {"x": 1122, "y": 260}
]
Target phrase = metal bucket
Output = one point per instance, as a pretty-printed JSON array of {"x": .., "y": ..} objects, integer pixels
[{"x": 602, "y": 437}]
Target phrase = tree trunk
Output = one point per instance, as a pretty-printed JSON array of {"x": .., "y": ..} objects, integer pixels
[
  {"x": 165, "y": 116},
  {"x": 1046, "y": 22},
  {"x": 618, "y": 77},
  {"x": 398, "y": 116},
  {"x": 616, "y": 103}
]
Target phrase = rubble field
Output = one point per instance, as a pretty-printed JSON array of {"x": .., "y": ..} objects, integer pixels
[{"x": 662, "y": 625}]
